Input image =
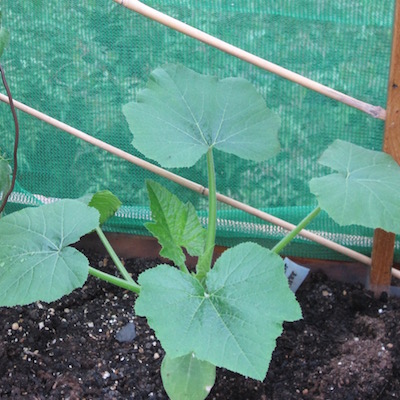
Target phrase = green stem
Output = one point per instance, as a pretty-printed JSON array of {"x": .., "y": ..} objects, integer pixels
[
  {"x": 133, "y": 287},
  {"x": 205, "y": 261},
  {"x": 212, "y": 207},
  {"x": 114, "y": 256},
  {"x": 291, "y": 235}
]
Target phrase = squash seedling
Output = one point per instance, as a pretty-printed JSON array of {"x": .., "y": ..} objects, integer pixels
[
  {"x": 224, "y": 315},
  {"x": 230, "y": 315}
]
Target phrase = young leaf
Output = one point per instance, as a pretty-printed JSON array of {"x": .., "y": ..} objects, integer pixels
[
  {"x": 364, "y": 191},
  {"x": 181, "y": 114},
  {"x": 176, "y": 225},
  {"x": 187, "y": 377},
  {"x": 234, "y": 321},
  {"x": 35, "y": 260},
  {"x": 105, "y": 202}
]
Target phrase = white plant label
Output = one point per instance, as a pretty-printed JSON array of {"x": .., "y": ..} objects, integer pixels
[{"x": 295, "y": 273}]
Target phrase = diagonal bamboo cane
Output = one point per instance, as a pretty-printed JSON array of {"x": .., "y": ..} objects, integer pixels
[
  {"x": 187, "y": 183},
  {"x": 151, "y": 13}
]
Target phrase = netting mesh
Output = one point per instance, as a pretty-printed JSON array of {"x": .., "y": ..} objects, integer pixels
[{"x": 81, "y": 61}]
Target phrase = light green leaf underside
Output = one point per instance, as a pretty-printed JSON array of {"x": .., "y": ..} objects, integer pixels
[
  {"x": 176, "y": 225},
  {"x": 181, "y": 114},
  {"x": 35, "y": 260},
  {"x": 187, "y": 378},
  {"x": 234, "y": 323},
  {"x": 364, "y": 191}
]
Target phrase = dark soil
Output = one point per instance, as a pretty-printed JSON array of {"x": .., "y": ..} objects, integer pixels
[{"x": 346, "y": 347}]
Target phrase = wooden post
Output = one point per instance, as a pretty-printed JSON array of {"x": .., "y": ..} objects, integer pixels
[{"x": 383, "y": 247}]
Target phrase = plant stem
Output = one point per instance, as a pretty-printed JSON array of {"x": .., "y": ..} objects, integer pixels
[
  {"x": 114, "y": 256},
  {"x": 212, "y": 201},
  {"x": 133, "y": 287},
  {"x": 212, "y": 208},
  {"x": 291, "y": 235}
]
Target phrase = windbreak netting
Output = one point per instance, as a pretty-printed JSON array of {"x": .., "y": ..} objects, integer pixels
[{"x": 81, "y": 61}]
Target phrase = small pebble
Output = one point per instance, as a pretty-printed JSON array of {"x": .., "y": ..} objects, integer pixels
[
  {"x": 15, "y": 326},
  {"x": 126, "y": 333},
  {"x": 156, "y": 356}
]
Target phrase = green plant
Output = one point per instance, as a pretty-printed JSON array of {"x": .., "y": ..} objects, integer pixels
[
  {"x": 228, "y": 314},
  {"x": 219, "y": 312}
]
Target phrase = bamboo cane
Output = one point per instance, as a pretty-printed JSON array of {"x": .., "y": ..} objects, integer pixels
[
  {"x": 187, "y": 183},
  {"x": 151, "y": 13}
]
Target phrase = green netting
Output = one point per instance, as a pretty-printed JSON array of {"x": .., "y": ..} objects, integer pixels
[{"x": 80, "y": 61}]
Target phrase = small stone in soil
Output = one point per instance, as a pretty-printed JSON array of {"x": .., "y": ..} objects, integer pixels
[{"x": 126, "y": 333}]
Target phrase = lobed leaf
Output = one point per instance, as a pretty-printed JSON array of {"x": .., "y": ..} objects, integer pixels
[
  {"x": 233, "y": 321},
  {"x": 181, "y": 114},
  {"x": 364, "y": 191},
  {"x": 36, "y": 262},
  {"x": 176, "y": 225}
]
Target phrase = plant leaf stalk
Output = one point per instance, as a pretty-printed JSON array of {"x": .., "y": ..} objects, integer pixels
[
  {"x": 133, "y": 287},
  {"x": 205, "y": 261},
  {"x": 292, "y": 234},
  {"x": 212, "y": 204},
  {"x": 114, "y": 256}
]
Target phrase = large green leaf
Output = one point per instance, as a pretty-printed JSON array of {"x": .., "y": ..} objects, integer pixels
[
  {"x": 234, "y": 321},
  {"x": 35, "y": 260},
  {"x": 187, "y": 378},
  {"x": 176, "y": 225},
  {"x": 181, "y": 114},
  {"x": 364, "y": 191}
]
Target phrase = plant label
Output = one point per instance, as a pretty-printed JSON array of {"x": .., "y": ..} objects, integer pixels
[{"x": 295, "y": 274}]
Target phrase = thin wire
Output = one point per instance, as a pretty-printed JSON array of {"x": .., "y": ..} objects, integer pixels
[{"x": 16, "y": 141}]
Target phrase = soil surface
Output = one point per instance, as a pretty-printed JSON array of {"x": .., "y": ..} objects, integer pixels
[{"x": 346, "y": 347}]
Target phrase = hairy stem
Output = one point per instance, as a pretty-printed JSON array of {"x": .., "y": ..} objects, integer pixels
[
  {"x": 205, "y": 261},
  {"x": 212, "y": 203},
  {"x": 114, "y": 256},
  {"x": 133, "y": 287},
  {"x": 292, "y": 234}
]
